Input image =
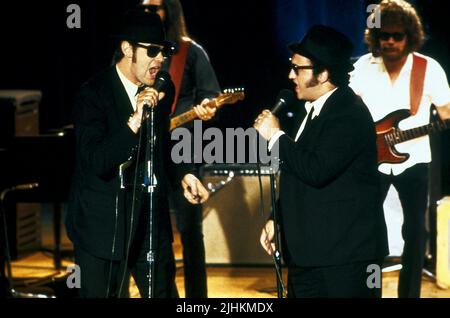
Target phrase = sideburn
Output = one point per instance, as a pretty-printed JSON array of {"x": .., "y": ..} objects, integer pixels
[
  {"x": 312, "y": 82},
  {"x": 133, "y": 59}
]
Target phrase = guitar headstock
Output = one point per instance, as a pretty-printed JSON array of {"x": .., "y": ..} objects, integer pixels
[{"x": 230, "y": 96}]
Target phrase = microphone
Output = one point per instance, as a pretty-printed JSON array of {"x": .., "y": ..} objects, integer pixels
[
  {"x": 285, "y": 97},
  {"x": 161, "y": 81}
]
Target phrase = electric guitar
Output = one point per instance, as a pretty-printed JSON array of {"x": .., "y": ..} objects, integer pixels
[
  {"x": 388, "y": 135},
  {"x": 229, "y": 96}
]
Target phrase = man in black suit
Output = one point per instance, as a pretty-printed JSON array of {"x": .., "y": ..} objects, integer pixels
[
  {"x": 108, "y": 221},
  {"x": 331, "y": 218}
]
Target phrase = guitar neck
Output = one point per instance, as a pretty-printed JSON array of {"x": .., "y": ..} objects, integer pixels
[
  {"x": 188, "y": 116},
  {"x": 182, "y": 119},
  {"x": 400, "y": 136}
]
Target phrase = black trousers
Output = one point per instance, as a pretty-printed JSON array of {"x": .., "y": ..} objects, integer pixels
[
  {"x": 189, "y": 219},
  {"x": 103, "y": 278},
  {"x": 412, "y": 188},
  {"x": 341, "y": 281}
]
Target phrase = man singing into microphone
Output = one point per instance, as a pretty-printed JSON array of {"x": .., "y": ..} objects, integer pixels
[
  {"x": 331, "y": 218},
  {"x": 108, "y": 218}
]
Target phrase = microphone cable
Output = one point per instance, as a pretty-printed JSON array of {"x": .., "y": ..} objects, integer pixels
[
  {"x": 133, "y": 206},
  {"x": 113, "y": 245},
  {"x": 262, "y": 214}
]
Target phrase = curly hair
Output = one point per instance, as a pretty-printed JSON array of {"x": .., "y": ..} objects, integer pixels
[{"x": 396, "y": 12}]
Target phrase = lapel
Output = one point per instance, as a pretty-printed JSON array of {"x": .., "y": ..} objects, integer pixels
[
  {"x": 121, "y": 101},
  {"x": 331, "y": 106}
]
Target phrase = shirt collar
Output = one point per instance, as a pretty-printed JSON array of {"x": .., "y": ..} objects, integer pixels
[
  {"x": 130, "y": 87},
  {"x": 318, "y": 103},
  {"x": 406, "y": 68}
]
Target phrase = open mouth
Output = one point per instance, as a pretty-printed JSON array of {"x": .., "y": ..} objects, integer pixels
[{"x": 153, "y": 71}]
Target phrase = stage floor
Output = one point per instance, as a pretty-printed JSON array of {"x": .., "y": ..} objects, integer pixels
[{"x": 223, "y": 281}]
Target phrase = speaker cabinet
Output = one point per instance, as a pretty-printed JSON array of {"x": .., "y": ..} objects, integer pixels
[
  {"x": 19, "y": 111},
  {"x": 19, "y": 117},
  {"x": 232, "y": 221},
  {"x": 27, "y": 232},
  {"x": 443, "y": 243}
]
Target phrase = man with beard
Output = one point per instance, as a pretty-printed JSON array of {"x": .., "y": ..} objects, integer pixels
[
  {"x": 108, "y": 219},
  {"x": 384, "y": 79}
]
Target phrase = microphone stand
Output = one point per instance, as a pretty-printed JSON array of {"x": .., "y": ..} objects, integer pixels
[
  {"x": 151, "y": 188},
  {"x": 277, "y": 254}
]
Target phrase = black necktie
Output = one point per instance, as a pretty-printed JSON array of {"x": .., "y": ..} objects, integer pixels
[
  {"x": 309, "y": 119},
  {"x": 140, "y": 89}
]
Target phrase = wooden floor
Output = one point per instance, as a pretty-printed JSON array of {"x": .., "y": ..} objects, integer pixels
[{"x": 223, "y": 282}]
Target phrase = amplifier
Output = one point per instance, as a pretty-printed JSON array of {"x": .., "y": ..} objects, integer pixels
[
  {"x": 233, "y": 218},
  {"x": 443, "y": 243},
  {"x": 235, "y": 169},
  {"x": 19, "y": 114}
]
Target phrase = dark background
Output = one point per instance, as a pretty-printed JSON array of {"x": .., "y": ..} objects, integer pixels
[{"x": 246, "y": 41}]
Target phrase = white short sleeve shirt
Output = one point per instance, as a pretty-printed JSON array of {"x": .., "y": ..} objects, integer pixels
[{"x": 371, "y": 81}]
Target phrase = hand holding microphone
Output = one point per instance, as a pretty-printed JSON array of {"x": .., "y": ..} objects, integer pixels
[
  {"x": 266, "y": 123},
  {"x": 149, "y": 97}
]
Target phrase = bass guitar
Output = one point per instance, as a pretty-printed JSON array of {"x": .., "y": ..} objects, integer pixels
[{"x": 388, "y": 135}]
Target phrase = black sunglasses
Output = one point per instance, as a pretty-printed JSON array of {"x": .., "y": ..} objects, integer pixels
[
  {"x": 397, "y": 36},
  {"x": 152, "y": 7},
  {"x": 296, "y": 68},
  {"x": 154, "y": 49}
]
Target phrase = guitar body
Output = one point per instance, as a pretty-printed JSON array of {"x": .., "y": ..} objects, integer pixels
[{"x": 389, "y": 124}]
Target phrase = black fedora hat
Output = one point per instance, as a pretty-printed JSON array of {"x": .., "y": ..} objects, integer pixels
[
  {"x": 326, "y": 46},
  {"x": 138, "y": 25}
]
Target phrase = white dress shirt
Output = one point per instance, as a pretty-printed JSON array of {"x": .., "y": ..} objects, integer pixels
[
  {"x": 371, "y": 81},
  {"x": 317, "y": 104},
  {"x": 129, "y": 86}
]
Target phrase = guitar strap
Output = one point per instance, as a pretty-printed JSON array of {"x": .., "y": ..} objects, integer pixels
[
  {"x": 176, "y": 69},
  {"x": 419, "y": 67}
]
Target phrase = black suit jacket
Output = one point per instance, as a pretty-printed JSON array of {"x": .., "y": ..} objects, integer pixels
[
  {"x": 97, "y": 206},
  {"x": 331, "y": 209}
]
